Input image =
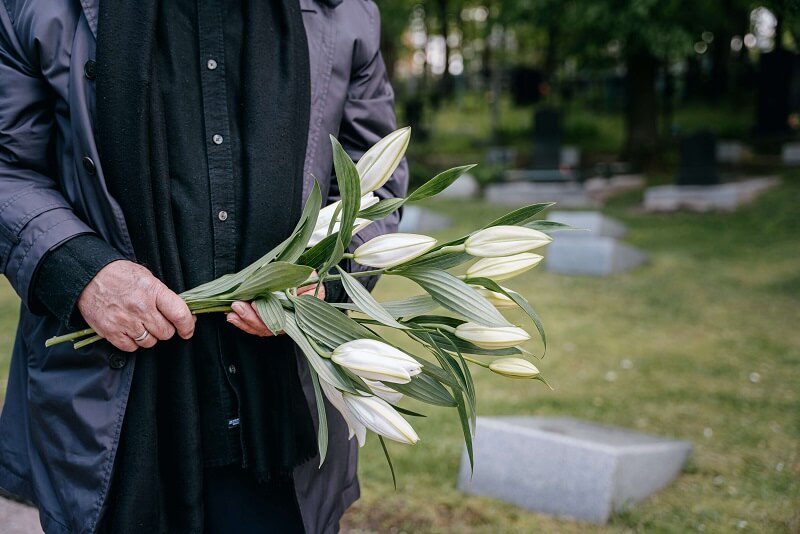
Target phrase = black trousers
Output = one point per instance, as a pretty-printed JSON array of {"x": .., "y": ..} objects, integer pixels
[{"x": 235, "y": 503}]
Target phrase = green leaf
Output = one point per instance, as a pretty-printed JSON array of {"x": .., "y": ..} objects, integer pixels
[
  {"x": 275, "y": 276},
  {"x": 518, "y": 299},
  {"x": 438, "y": 183},
  {"x": 468, "y": 348},
  {"x": 465, "y": 428},
  {"x": 366, "y": 302},
  {"x": 270, "y": 311},
  {"x": 455, "y": 295},
  {"x": 445, "y": 261},
  {"x": 388, "y": 460},
  {"x": 400, "y": 308},
  {"x": 305, "y": 227},
  {"x": 406, "y": 411},
  {"x": 427, "y": 389},
  {"x": 521, "y": 216},
  {"x": 322, "y": 423},
  {"x": 317, "y": 255},
  {"x": 349, "y": 191},
  {"x": 326, "y": 369},
  {"x": 381, "y": 209},
  {"x": 549, "y": 226},
  {"x": 327, "y": 325}
]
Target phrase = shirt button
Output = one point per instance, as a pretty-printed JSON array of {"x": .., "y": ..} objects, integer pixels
[
  {"x": 89, "y": 165},
  {"x": 211, "y": 64},
  {"x": 90, "y": 69},
  {"x": 117, "y": 360},
  {"x": 217, "y": 139},
  {"x": 222, "y": 215},
  {"x": 232, "y": 369}
]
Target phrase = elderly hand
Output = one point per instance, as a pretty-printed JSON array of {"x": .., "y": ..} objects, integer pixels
[
  {"x": 245, "y": 318},
  {"x": 131, "y": 308}
]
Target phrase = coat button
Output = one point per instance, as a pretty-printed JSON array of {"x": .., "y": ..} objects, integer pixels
[
  {"x": 89, "y": 165},
  {"x": 117, "y": 360},
  {"x": 90, "y": 69}
]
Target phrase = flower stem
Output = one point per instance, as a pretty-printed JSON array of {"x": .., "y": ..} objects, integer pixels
[
  {"x": 88, "y": 341},
  {"x": 68, "y": 337}
]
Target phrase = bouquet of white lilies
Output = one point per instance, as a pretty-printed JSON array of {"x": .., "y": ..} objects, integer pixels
[{"x": 352, "y": 364}]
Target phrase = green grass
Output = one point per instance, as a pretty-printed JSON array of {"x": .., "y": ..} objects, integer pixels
[{"x": 718, "y": 301}]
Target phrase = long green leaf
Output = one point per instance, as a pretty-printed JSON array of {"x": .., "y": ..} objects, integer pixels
[
  {"x": 275, "y": 276},
  {"x": 549, "y": 226},
  {"x": 305, "y": 227},
  {"x": 326, "y": 369},
  {"x": 455, "y": 295},
  {"x": 438, "y": 183},
  {"x": 322, "y": 418},
  {"x": 388, "y": 460},
  {"x": 381, "y": 209},
  {"x": 468, "y": 348},
  {"x": 400, "y": 308},
  {"x": 270, "y": 311},
  {"x": 466, "y": 429},
  {"x": 366, "y": 302},
  {"x": 350, "y": 193},
  {"x": 327, "y": 325},
  {"x": 317, "y": 255},
  {"x": 426, "y": 389}
]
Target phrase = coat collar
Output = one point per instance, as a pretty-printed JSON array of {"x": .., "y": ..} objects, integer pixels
[{"x": 92, "y": 7}]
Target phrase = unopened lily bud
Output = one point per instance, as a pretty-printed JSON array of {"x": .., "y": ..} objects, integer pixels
[
  {"x": 499, "y": 241},
  {"x": 505, "y": 267},
  {"x": 514, "y": 368},
  {"x": 326, "y": 214},
  {"x": 390, "y": 250},
  {"x": 379, "y": 162},
  {"x": 376, "y": 360},
  {"x": 355, "y": 426},
  {"x": 498, "y": 300},
  {"x": 492, "y": 337},
  {"x": 383, "y": 391},
  {"x": 378, "y": 416}
]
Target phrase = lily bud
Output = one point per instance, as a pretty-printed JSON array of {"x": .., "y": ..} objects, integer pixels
[
  {"x": 326, "y": 214},
  {"x": 383, "y": 391},
  {"x": 390, "y": 250},
  {"x": 378, "y": 416},
  {"x": 499, "y": 241},
  {"x": 498, "y": 300},
  {"x": 376, "y": 360},
  {"x": 379, "y": 162},
  {"x": 355, "y": 426},
  {"x": 514, "y": 368},
  {"x": 505, "y": 267},
  {"x": 492, "y": 337}
]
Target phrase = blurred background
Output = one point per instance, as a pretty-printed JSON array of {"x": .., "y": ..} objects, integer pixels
[{"x": 673, "y": 123}]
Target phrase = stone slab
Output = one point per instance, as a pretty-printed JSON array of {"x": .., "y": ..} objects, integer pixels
[
  {"x": 419, "y": 220},
  {"x": 584, "y": 254},
  {"x": 702, "y": 198},
  {"x": 18, "y": 518},
  {"x": 567, "y": 194},
  {"x": 466, "y": 186},
  {"x": 594, "y": 222},
  {"x": 601, "y": 189},
  {"x": 567, "y": 467},
  {"x": 790, "y": 154},
  {"x": 732, "y": 152}
]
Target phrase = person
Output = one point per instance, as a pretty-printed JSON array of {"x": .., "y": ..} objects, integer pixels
[{"x": 147, "y": 147}]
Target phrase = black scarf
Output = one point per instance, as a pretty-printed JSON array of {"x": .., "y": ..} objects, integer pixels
[{"x": 159, "y": 466}]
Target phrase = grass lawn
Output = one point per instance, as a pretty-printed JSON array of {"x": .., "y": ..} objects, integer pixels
[{"x": 702, "y": 344}]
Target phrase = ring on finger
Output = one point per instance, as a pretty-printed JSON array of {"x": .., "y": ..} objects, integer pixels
[{"x": 142, "y": 337}]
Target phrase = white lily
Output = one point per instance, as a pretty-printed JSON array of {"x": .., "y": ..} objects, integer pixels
[
  {"x": 499, "y": 241},
  {"x": 498, "y": 300},
  {"x": 376, "y": 360},
  {"x": 492, "y": 337},
  {"x": 326, "y": 214},
  {"x": 514, "y": 368},
  {"x": 390, "y": 250},
  {"x": 378, "y": 416},
  {"x": 383, "y": 391},
  {"x": 379, "y": 162},
  {"x": 355, "y": 426},
  {"x": 505, "y": 267}
]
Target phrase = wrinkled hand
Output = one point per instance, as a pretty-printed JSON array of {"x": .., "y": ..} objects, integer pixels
[
  {"x": 245, "y": 317},
  {"x": 124, "y": 299}
]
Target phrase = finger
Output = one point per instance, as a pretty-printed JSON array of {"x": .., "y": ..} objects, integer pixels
[
  {"x": 269, "y": 332},
  {"x": 158, "y": 326},
  {"x": 311, "y": 290},
  {"x": 123, "y": 342},
  {"x": 237, "y": 321},
  {"x": 247, "y": 314},
  {"x": 147, "y": 342},
  {"x": 175, "y": 311}
]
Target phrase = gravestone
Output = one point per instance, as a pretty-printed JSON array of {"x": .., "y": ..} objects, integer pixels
[
  {"x": 416, "y": 220},
  {"x": 595, "y": 249},
  {"x": 703, "y": 198},
  {"x": 790, "y": 154},
  {"x": 520, "y": 193},
  {"x": 567, "y": 467},
  {"x": 465, "y": 186},
  {"x": 731, "y": 152},
  {"x": 546, "y": 139},
  {"x": 698, "y": 165}
]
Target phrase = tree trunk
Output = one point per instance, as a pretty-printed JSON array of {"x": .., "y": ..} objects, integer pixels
[
  {"x": 447, "y": 80},
  {"x": 641, "y": 124}
]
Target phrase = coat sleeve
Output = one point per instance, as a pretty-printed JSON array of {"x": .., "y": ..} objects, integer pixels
[
  {"x": 34, "y": 215},
  {"x": 368, "y": 117}
]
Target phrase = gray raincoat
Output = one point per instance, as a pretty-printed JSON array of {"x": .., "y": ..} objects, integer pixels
[{"x": 61, "y": 421}]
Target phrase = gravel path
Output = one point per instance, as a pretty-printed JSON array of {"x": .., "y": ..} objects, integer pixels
[{"x": 16, "y": 518}]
